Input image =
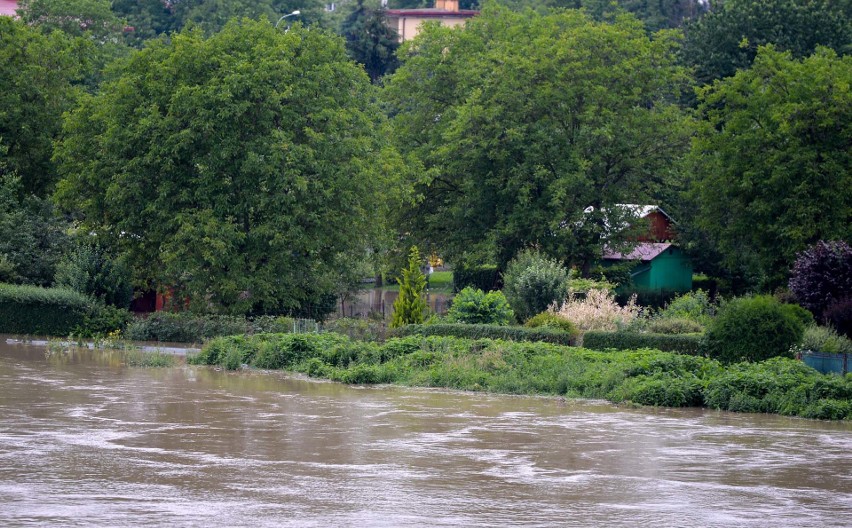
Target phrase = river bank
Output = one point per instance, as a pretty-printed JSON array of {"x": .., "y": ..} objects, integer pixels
[{"x": 645, "y": 377}]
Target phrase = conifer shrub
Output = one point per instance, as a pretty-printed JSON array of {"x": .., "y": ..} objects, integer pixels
[
  {"x": 551, "y": 320},
  {"x": 674, "y": 326},
  {"x": 473, "y": 306},
  {"x": 410, "y": 306},
  {"x": 754, "y": 329}
]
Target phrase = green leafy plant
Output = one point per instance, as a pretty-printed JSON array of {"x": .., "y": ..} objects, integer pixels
[
  {"x": 533, "y": 282},
  {"x": 551, "y": 320},
  {"x": 694, "y": 306},
  {"x": 825, "y": 339},
  {"x": 754, "y": 329},
  {"x": 477, "y": 331},
  {"x": 689, "y": 344},
  {"x": 473, "y": 306},
  {"x": 89, "y": 269},
  {"x": 410, "y": 307},
  {"x": 674, "y": 326}
]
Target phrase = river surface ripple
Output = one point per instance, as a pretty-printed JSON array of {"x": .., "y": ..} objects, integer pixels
[{"x": 85, "y": 441}]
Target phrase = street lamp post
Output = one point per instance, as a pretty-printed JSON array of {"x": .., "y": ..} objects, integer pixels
[{"x": 294, "y": 13}]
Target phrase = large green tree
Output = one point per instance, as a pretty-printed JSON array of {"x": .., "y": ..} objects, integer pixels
[
  {"x": 37, "y": 73},
  {"x": 523, "y": 121},
  {"x": 772, "y": 162},
  {"x": 236, "y": 169},
  {"x": 727, "y": 38}
]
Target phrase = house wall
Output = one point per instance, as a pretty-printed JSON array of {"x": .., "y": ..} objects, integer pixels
[
  {"x": 659, "y": 228},
  {"x": 409, "y": 26}
]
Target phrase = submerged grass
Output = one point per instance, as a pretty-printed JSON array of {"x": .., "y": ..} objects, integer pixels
[{"x": 645, "y": 376}]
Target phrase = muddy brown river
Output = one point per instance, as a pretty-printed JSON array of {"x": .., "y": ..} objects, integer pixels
[{"x": 86, "y": 441}]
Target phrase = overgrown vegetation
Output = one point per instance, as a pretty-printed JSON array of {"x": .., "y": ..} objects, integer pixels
[
  {"x": 193, "y": 328},
  {"x": 473, "y": 306},
  {"x": 645, "y": 377},
  {"x": 561, "y": 336},
  {"x": 533, "y": 283}
]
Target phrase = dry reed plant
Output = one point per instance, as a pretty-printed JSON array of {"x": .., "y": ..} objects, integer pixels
[{"x": 597, "y": 311}]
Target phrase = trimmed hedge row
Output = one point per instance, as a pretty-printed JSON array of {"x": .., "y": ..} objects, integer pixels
[
  {"x": 475, "y": 331},
  {"x": 33, "y": 310},
  {"x": 690, "y": 344}
]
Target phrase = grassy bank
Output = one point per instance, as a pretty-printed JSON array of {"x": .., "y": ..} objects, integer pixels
[{"x": 647, "y": 377}]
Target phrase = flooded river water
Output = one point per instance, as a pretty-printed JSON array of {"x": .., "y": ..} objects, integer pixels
[{"x": 85, "y": 440}]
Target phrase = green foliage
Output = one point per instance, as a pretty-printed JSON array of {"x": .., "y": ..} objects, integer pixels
[
  {"x": 754, "y": 329},
  {"x": 729, "y": 37},
  {"x": 370, "y": 41},
  {"x": 36, "y": 76},
  {"x": 695, "y": 306},
  {"x": 195, "y": 328},
  {"x": 551, "y": 320},
  {"x": 825, "y": 339},
  {"x": 101, "y": 319},
  {"x": 533, "y": 282},
  {"x": 771, "y": 159},
  {"x": 215, "y": 168},
  {"x": 510, "y": 333},
  {"x": 90, "y": 270},
  {"x": 647, "y": 377},
  {"x": 689, "y": 344},
  {"x": 32, "y": 237},
  {"x": 41, "y": 311},
  {"x": 91, "y": 18},
  {"x": 155, "y": 359},
  {"x": 522, "y": 121},
  {"x": 483, "y": 277},
  {"x": 674, "y": 325},
  {"x": 781, "y": 386},
  {"x": 410, "y": 306},
  {"x": 473, "y": 306}
]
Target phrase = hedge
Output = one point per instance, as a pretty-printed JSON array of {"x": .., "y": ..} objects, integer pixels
[
  {"x": 476, "y": 331},
  {"x": 690, "y": 344},
  {"x": 33, "y": 310},
  {"x": 195, "y": 328}
]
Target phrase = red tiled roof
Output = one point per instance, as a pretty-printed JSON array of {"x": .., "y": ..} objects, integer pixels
[{"x": 644, "y": 251}]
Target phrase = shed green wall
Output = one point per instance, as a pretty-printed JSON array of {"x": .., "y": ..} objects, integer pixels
[{"x": 669, "y": 271}]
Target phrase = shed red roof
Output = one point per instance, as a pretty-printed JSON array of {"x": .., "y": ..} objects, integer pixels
[
  {"x": 8, "y": 7},
  {"x": 644, "y": 251}
]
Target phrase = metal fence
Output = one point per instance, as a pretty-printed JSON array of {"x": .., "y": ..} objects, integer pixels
[{"x": 826, "y": 363}]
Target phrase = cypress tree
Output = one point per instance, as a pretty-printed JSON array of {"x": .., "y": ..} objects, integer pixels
[{"x": 410, "y": 306}]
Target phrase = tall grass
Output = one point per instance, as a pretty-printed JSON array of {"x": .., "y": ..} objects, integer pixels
[{"x": 647, "y": 377}]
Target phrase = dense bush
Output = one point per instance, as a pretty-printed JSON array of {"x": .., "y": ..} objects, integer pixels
[
  {"x": 91, "y": 271},
  {"x": 598, "y": 311},
  {"x": 483, "y": 277},
  {"x": 754, "y": 329},
  {"x": 511, "y": 333},
  {"x": 646, "y": 377},
  {"x": 780, "y": 386},
  {"x": 822, "y": 275},
  {"x": 551, "y": 320},
  {"x": 55, "y": 312},
  {"x": 532, "y": 283},
  {"x": 473, "y": 306},
  {"x": 194, "y": 328},
  {"x": 689, "y": 344},
  {"x": 695, "y": 305},
  {"x": 674, "y": 326}
]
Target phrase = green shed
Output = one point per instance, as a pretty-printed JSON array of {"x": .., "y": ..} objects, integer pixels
[{"x": 660, "y": 266}]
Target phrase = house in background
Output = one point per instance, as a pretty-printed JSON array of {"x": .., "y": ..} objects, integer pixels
[
  {"x": 407, "y": 22},
  {"x": 660, "y": 266},
  {"x": 8, "y": 7}
]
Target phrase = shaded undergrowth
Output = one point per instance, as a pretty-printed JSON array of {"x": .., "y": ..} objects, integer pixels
[{"x": 647, "y": 377}]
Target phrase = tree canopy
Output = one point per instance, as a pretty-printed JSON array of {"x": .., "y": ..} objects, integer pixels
[
  {"x": 771, "y": 161},
  {"x": 237, "y": 169},
  {"x": 727, "y": 38},
  {"x": 370, "y": 41},
  {"x": 523, "y": 121}
]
